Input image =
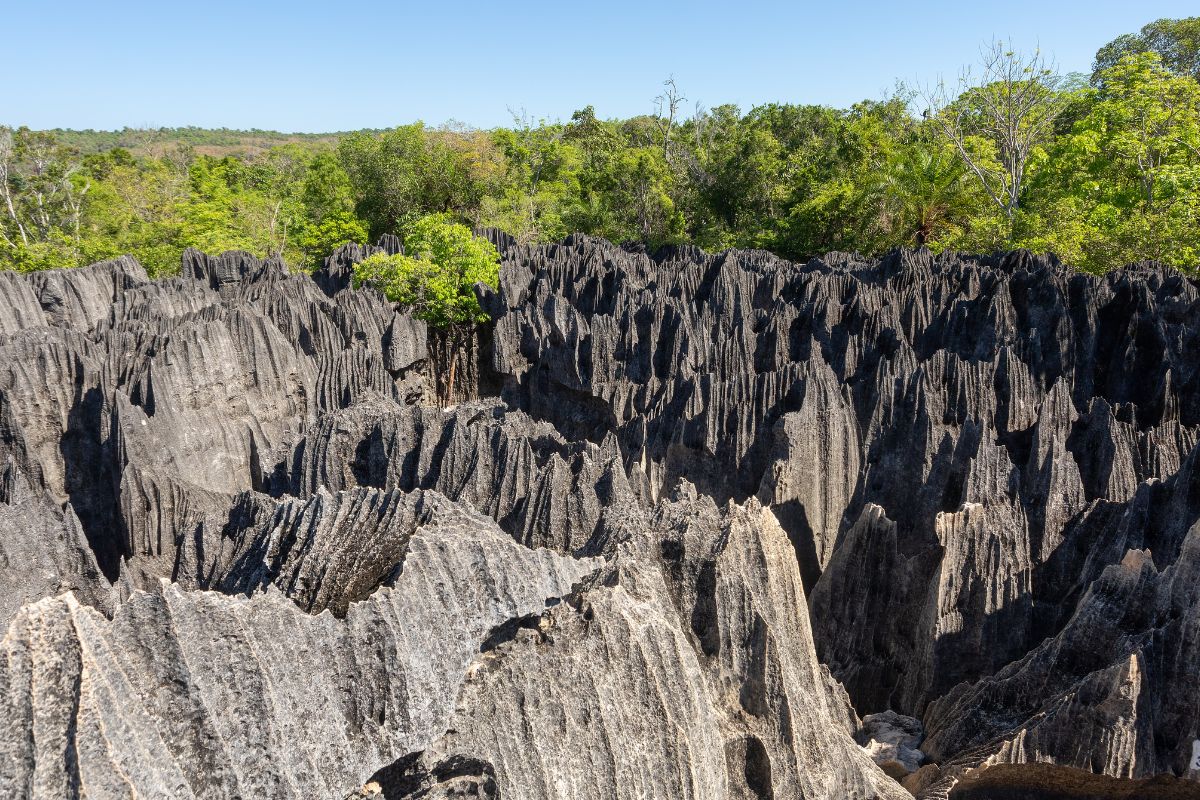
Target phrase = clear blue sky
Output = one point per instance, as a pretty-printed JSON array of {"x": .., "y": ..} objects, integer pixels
[{"x": 302, "y": 66}]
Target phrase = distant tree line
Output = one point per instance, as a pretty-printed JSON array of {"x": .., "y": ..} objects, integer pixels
[{"x": 1101, "y": 170}]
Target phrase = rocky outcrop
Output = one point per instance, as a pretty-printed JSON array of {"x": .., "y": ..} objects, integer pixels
[
  {"x": 892, "y": 741},
  {"x": 940, "y": 435},
  {"x": 334, "y": 549},
  {"x": 688, "y": 645},
  {"x": 190, "y": 694},
  {"x": 78, "y": 299},
  {"x": 148, "y": 406},
  {"x": 43, "y": 551},
  {"x": 684, "y": 518},
  {"x": 542, "y": 489},
  {"x": 1113, "y": 693}
]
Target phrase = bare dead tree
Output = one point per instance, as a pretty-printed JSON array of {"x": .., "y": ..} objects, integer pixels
[
  {"x": 74, "y": 194},
  {"x": 666, "y": 110},
  {"x": 42, "y": 183},
  {"x": 705, "y": 131},
  {"x": 1012, "y": 106},
  {"x": 7, "y": 158},
  {"x": 700, "y": 125}
]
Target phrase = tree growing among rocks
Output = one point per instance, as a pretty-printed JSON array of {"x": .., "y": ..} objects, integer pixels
[{"x": 435, "y": 277}]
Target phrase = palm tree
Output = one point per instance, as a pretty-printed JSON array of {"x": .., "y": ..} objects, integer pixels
[{"x": 923, "y": 192}]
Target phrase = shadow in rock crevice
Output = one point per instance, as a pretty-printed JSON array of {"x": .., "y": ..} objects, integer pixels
[
  {"x": 749, "y": 767},
  {"x": 793, "y": 519},
  {"x": 89, "y": 481}
]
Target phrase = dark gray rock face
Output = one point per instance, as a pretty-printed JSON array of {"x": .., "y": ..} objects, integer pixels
[
  {"x": 148, "y": 406},
  {"x": 959, "y": 448},
  {"x": 708, "y": 511},
  {"x": 43, "y": 551},
  {"x": 1113, "y": 693},
  {"x": 542, "y": 489}
]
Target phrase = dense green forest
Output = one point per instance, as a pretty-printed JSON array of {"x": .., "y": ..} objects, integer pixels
[{"x": 1102, "y": 170}]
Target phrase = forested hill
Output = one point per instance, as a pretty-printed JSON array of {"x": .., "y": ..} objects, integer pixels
[
  {"x": 1102, "y": 170},
  {"x": 205, "y": 141}
]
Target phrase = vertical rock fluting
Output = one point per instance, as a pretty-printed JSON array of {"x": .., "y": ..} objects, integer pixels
[
  {"x": 691, "y": 643},
  {"x": 958, "y": 447},
  {"x": 243, "y": 555},
  {"x": 195, "y": 694},
  {"x": 148, "y": 406},
  {"x": 543, "y": 490}
]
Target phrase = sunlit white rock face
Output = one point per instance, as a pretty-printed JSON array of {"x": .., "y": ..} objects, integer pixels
[
  {"x": 721, "y": 506},
  {"x": 892, "y": 741},
  {"x": 197, "y": 693}
]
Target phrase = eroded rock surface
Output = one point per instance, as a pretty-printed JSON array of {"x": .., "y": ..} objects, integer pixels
[
  {"x": 689, "y": 516},
  {"x": 892, "y": 741},
  {"x": 198, "y": 694},
  {"x": 962, "y": 450},
  {"x": 689, "y": 644}
]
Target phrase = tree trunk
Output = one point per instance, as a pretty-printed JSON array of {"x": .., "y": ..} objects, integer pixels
[
  {"x": 448, "y": 346},
  {"x": 454, "y": 348}
]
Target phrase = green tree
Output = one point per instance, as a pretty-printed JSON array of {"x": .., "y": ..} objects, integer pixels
[
  {"x": 1177, "y": 42},
  {"x": 404, "y": 174},
  {"x": 539, "y": 182},
  {"x": 325, "y": 188},
  {"x": 223, "y": 211},
  {"x": 639, "y": 183},
  {"x": 832, "y": 200},
  {"x": 1101, "y": 172},
  {"x": 1124, "y": 185},
  {"x": 736, "y": 170},
  {"x": 135, "y": 207},
  {"x": 1146, "y": 121},
  {"x": 318, "y": 240},
  {"x": 43, "y": 189},
  {"x": 436, "y": 277},
  {"x": 925, "y": 195},
  {"x": 311, "y": 202}
]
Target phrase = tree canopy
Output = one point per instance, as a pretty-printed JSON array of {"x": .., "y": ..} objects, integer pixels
[
  {"x": 1176, "y": 41},
  {"x": 437, "y": 273}
]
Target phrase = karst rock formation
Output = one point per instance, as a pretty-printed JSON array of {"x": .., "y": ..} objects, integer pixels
[{"x": 699, "y": 526}]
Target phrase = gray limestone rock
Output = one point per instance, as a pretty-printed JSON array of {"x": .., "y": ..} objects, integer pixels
[
  {"x": 196, "y": 694},
  {"x": 958, "y": 447},
  {"x": 682, "y": 520},
  {"x": 150, "y": 406},
  {"x": 679, "y": 671},
  {"x": 544, "y": 490},
  {"x": 43, "y": 551},
  {"x": 893, "y": 741}
]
